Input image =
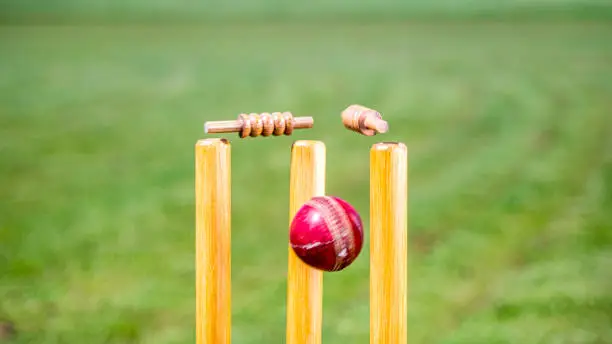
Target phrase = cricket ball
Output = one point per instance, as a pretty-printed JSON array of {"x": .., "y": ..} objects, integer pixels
[{"x": 326, "y": 233}]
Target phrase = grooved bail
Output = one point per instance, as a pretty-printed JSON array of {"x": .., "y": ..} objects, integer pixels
[
  {"x": 364, "y": 120},
  {"x": 264, "y": 124}
]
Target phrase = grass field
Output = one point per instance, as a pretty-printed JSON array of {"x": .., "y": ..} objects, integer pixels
[
  {"x": 336, "y": 10},
  {"x": 509, "y": 128}
]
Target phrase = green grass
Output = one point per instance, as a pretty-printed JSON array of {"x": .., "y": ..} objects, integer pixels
[
  {"x": 509, "y": 128},
  {"x": 258, "y": 10}
]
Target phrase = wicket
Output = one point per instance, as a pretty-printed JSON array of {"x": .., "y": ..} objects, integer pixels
[
  {"x": 304, "y": 284},
  {"x": 213, "y": 241},
  {"x": 388, "y": 241}
]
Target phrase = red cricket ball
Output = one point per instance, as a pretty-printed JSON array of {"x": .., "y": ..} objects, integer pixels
[{"x": 327, "y": 233}]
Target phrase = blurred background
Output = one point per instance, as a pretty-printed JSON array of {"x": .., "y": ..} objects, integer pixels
[{"x": 506, "y": 107}]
